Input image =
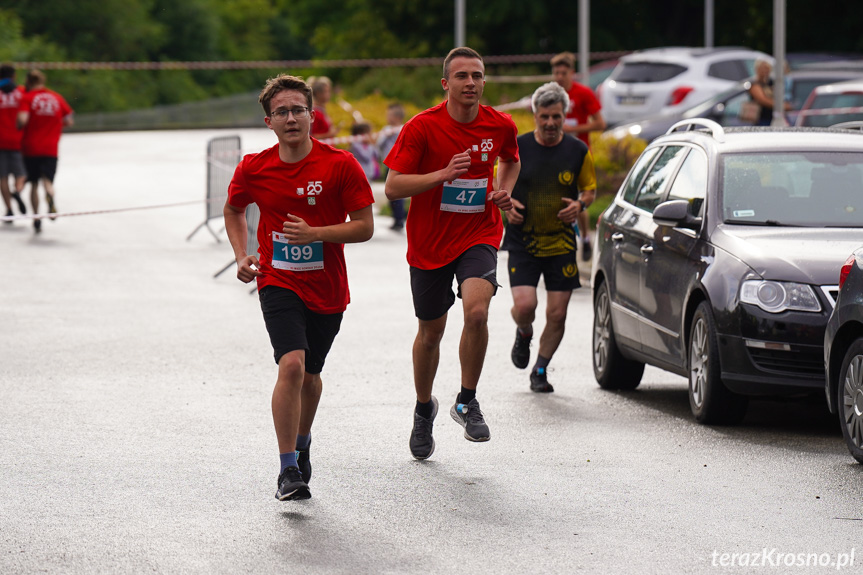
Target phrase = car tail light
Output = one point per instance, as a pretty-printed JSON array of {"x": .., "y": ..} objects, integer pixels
[
  {"x": 846, "y": 269},
  {"x": 679, "y": 94}
]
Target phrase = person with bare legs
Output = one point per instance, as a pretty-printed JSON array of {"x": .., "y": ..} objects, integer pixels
[
  {"x": 444, "y": 161},
  {"x": 313, "y": 199},
  {"x": 557, "y": 182},
  {"x": 42, "y": 115}
]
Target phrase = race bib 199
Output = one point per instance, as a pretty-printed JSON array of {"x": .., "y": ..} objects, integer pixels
[
  {"x": 464, "y": 196},
  {"x": 297, "y": 258}
]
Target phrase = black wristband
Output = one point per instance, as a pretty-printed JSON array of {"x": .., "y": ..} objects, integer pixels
[{"x": 583, "y": 205}]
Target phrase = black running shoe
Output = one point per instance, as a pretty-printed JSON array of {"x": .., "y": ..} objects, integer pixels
[
  {"x": 21, "y": 207},
  {"x": 9, "y": 214},
  {"x": 37, "y": 226},
  {"x": 539, "y": 381},
  {"x": 304, "y": 463},
  {"x": 521, "y": 350},
  {"x": 470, "y": 417},
  {"x": 586, "y": 250},
  {"x": 292, "y": 486},
  {"x": 422, "y": 442}
]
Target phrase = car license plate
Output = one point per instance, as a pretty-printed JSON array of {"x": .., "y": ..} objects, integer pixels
[{"x": 630, "y": 100}]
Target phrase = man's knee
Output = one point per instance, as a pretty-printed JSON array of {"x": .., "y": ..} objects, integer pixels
[
  {"x": 292, "y": 368},
  {"x": 431, "y": 333}
]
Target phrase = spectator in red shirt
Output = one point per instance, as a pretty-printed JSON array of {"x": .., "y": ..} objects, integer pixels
[
  {"x": 11, "y": 162},
  {"x": 42, "y": 115},
  {"x": 584, "y": 116},
  {"x": 444, "y": 161},
  {"x": 322, "y": 91}
]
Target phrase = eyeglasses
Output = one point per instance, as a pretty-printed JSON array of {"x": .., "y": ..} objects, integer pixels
[{"x": 298, "y": 112}]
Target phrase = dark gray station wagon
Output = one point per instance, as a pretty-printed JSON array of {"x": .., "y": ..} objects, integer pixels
[{"x": 718, "y": 260}]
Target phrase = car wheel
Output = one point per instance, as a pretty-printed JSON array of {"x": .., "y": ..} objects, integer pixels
[
  {"x": 709, "y": 399},
  {"x": 611, "y": 369},
  {"x": 850, "y": 399}
]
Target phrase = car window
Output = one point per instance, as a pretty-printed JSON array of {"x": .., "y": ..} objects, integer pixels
[
  {"x": 690, "y": 184},
  {"x": 650, "y": 192},
  {"x": 637, "y": 174},
  {"x": 728, "y": 70},
  {"x": 813, "y": 189},
  {"x": 831, "y": 108},
  {"x": 631, "y": 72}
]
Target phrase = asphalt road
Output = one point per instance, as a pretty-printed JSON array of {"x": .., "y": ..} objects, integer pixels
[{"x": 136, "y": 434}]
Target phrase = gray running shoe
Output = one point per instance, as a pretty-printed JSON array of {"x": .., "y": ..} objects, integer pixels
[
  {"x": 521, "y": 350},
  {"x": 292, "y": 486},
  {"x": 422, "y": 442},
  {"x": 470, "y": 417}
]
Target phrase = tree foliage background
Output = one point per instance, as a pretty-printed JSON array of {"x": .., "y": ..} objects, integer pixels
[{"x": 195, "y": 30}]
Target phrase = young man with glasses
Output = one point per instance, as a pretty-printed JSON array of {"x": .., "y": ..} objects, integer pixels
[
  {"x": 305, "y": 191},
  {"x": 444, "y": 161}
]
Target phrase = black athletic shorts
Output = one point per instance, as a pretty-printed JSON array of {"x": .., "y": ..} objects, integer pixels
[
  {"x": 293, "y": 326},
  {"x": 40, "y": 167},
  {"x": 560, "y": 272},
  {"x": 432, "y": 289}
]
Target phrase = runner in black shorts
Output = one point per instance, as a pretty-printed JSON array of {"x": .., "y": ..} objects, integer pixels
[
  {"x": 444, "y": 161},
  {"x": 556, "y": 183},
  {"x": 313, "y": 198}
]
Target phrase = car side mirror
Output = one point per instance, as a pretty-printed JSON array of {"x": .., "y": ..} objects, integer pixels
[{"x": 677, "y": 213}]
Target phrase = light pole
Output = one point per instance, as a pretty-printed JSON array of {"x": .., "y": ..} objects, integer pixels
[{"x": 459, "y": 22}]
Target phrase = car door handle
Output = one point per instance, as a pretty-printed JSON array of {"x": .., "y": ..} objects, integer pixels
[
  {"x": 618, "y": 237},
  {"x": 647, "y": 249}
]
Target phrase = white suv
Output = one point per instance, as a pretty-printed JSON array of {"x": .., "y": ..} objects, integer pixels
[{"x": 657, "y": 80}]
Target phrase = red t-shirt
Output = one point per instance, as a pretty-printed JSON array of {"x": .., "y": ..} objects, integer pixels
[
  {"x": 10, "y": 135},
  {"x": 321, "y": 189},
  {"x": 322, "y": 124},
  {"x": 441, "y": 227},
  {"x": 42, "y": 132},
  {"x": 582, "y": 103}
]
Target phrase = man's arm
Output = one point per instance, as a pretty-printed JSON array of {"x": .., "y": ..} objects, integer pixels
[
  {"x": 235, "y": 225},
  {"x": 594, "y": 123},
  {"x": 68, "y": 120},
  {"x": 401, "y": 185},
  {"x": 359, "y": 228},
  {"x": 22, "y": 119}
]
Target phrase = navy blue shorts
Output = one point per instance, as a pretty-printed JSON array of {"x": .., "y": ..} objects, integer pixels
[
  {"x": 432, "y": 289},
  {"x": 293, "y": 326}
]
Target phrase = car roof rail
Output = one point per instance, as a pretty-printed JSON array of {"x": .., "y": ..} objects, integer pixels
[
  {"x": 850, "y": 125},
  {"x": 692, "y": 123}
]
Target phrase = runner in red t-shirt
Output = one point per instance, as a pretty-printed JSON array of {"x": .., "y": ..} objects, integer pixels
[
  {"x": 11, "y": 161},
  {"x": 444, "y": 161},
  {"x": 42, "y": 114},
  {"x": 305, "y": 191},
  {"x": 584, "y": 116}
]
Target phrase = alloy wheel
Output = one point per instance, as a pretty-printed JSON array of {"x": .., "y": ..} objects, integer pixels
[
  {"x": 698, "y": 358},
  {"x": 853, "y": 400}
]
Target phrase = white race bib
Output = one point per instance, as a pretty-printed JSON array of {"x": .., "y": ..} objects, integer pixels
[
  {"x": 297, "y": 258},
  {"x": 464, "y": 196}
]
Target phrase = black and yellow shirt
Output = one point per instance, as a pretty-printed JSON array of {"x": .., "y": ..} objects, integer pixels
[{"x": 548, "y": 173}]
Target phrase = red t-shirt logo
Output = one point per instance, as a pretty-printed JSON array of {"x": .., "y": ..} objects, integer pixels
[{"x": 45, "y": 105}]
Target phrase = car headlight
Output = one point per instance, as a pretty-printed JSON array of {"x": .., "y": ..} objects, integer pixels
[{"x": 776, "y": 297}]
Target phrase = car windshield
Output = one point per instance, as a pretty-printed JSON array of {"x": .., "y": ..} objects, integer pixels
[{"x": 811, "y": 189}]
